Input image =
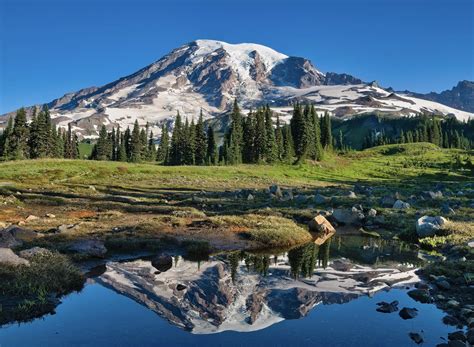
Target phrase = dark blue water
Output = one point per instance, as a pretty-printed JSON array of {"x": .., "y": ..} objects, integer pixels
[
  {"x": 99, "y": 317},
  {"x": 112, "y": 312}
]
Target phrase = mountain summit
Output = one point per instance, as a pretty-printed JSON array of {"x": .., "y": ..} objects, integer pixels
[{"x": 208, "y": 75}]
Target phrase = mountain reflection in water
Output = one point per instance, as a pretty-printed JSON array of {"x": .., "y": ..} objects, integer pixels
[{"x": 242, "y": 291}]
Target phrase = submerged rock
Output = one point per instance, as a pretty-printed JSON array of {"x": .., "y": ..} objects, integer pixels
[
  {"x": 8, "y": 257},
  {"x": 428, "y": 226},
  {"x": 457, "y": 335},
  {"x": 321, "y": 224}
]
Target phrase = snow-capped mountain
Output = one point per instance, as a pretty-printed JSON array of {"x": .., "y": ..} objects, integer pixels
[{"x": 208, "y": 75}]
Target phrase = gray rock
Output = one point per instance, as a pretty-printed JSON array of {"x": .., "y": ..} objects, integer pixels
[
  {"x": 400, "y": 205},
  {"x": 93, "y": 248},
  {"x": 276, "y": 191},
  {"x": 250, "y": 197},
  {"x": 351, "y": 195},
  {"x": 346, "y": 216},
  {"x": 428, "y": 226},
  {"x": 8, "y": 257},
  {"x": 31, "y": 252},
  {"x": 432, "y": 195},
  {"x": 8, "y": 241},
  {"x": 408, "y": 313},
  {"x": 287, "y": 195},
  {"x": 443, "y": 284},
  {"x": 387, "y": 201},
  {"x": 452, "y": 304},
  {"x": 456, "y": 343},
  {"x": 320, "y": 199}
]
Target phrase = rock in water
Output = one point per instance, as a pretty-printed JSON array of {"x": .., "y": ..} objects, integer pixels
[
  {"x": 457, "y": 336},
  {"x": 416, "y": 337},
  {"x": 408, "y": 313},
  {"x": 428, "y": 226},
  {"x": 347, "y": 216},
  {"x": 162, "y": 262},
  {"x": 93, "y": 248},
  {"x": 420, "y": 295},
  {"x": 320, "y": 199},
  {"x": 321, "y": 224},
  {"x": 8, "y": 257},
  {"x": 386, "y": 307}
]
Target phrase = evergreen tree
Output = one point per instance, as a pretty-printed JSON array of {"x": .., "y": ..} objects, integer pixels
[
  {"x": 200, "y": 142},
  {"x": 102, "y": 148},
  {"x": 288, "y": 150},
  {"x": 279, "y": 139},
  {"x": 164, "y": 147},
  {"x": 235, "y": 136},
  {"x": 176, "y": 151},
  {"x": 122, "y": 150},
  {"x": 299, "y": 132},
  {"x": 18, "y": 143},
  {"x": 271, "y": 154},
  {"x": 326, "y": 131},
  {"x": 5, "y": 140},
  {"x": 248, "y": 150},
  {"x": 212, "y": 151},
  {"x": 260, "y": 137},
  {"x": 136, "y": 144}
]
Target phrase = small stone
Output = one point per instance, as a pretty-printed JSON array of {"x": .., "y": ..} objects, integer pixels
[
  {"x": 50, "y": 215},
  {"x": 320, "y": 199},
  {"x": 31, "y": 252},
  {"x": 351, "y": 195},
  {"x": 180, "y": 287},
  {"x": 385, "y": 307},
  {"x": 93, "y": 248},
  {"x": 420, "y": 295},
  {"x": 372, "y": 212},
  {"x": 31, "y": 218},
  {"x": 92, "y": 188},
  {"x": 451, "y": 320},
  {"x": 250, "y": 197}
]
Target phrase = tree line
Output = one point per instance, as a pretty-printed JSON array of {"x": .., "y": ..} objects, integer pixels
[
  {"x": 38, "y": 139},
  {"x": 448, "y": 133},
  {"x": 251, "y": 139}
]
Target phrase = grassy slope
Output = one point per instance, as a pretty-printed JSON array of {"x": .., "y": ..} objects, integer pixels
[{"x": 414, "y": 164}]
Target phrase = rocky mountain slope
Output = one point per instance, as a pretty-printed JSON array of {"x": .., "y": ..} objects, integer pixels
[
  {"x": 460, "y": 97},
  {"x": 208, "y": 75}
]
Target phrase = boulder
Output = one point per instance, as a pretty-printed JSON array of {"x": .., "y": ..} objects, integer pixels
[
  {"x": 287, "y": 195},
  {"x": 400, "y": 205},
  {"x": 447, "y": 210},
  {"x": 443, "y": 284},
  {"x": 387, "y": 201},
  {"x": 8, "y": 257},
  {"x": 351, "y": 195},
  {"x": 162, "y": 262},
  {"x": 429, "y": 226},
  {"x": 420, "y": 295},
  {"x": 408, "y": 313},
  {"x": 7, "y": 240},
  {"x": 320, "y": 199},
  {"x": 321, "y": 224},
  {"x": 456, "y": 343},
  {"x": 276, "y": 191},
  {"x": 346, "y": 216},
  {"x": 94, "y": 248},
  {"x": 31, "y": 252}
]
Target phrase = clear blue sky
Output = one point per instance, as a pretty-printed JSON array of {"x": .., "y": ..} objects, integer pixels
[{"x": 51, "y": 47}]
